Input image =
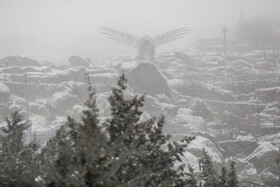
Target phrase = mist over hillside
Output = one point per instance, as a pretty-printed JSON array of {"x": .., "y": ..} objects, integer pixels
[{"x": 211, "y": 68}]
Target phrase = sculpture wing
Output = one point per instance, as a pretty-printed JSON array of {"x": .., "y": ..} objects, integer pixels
[
  {"x": 121, "y": 37},
  {"x": 170, "y": 36}
]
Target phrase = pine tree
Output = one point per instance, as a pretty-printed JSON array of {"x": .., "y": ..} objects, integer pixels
[
  {"x": 208, "y": 173},
  {"x": 58, "y": 158},
  {"x": 232, "y": 178},
  {"x": 140, "y": 159},
  {"x": 127, "y": 153},
  {"x": 223, "y": 178},
  {"x": 18, "y": 162},
  {"x": 192, "y": 182},
  {"x": 120, "y": 152},
  {"x": 77, "y": 155}
]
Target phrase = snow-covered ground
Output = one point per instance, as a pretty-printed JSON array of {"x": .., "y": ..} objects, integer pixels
[{"x": 232, "y": 108}]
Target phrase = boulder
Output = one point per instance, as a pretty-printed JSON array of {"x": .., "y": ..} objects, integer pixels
[
  {"x": 184, "y": 118},
  {"x": 147, "y": 79},
  {"x": 274, "y": 139},
  {"x": 39, "y": 109},
  {"x": 241, "y": 148},
  {"x": 157, "y": 109},
  {"x": 15, "y": 107},
  {"x": 77, "y": 112},
  {"x": 268, "y": 94},
  {"x": 189, "y": 160},
  {"x": 199, "y": 144},
  {"x": 77, "y": 74},
  {"x": 264, "y": 156},
  {"x": 18, "y": 61},
  {"x": 201, "y": 109},
  {"x": 61, "y": 102},
  {"x": 75, "y": 61}
]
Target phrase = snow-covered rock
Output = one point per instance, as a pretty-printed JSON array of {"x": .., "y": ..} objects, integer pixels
[
  {"x": 75, "y": 61},
  {"x": 189, "y": 160},
  {"x": 147, "y": 79},
  {"x": 4, "y": 93},
  {"x": 273, "y": 108},
  {"x": 163, "y": 99},
  {"x": 274, "y": 139},
  {"x": 264, "y": 155},
  {"x": 15, "y": 107},
  {"x": 61, "y": 102},
  {"x": 184, "y": 118},
  {"x": 39, "y": 109},
  {"x": 77, "y": 112},
  {"x": 157, "y": 109},
  {"x": 18, "y": 61},
  {"x": 107, "y": 79},
  {"x": 201, "y": 109},
  {"x": 241, "y": 148},
  {"x": 268, "y": 94},
  {"x": 24, "y": 70},
  {"x": 243, "y": 136},
  {"x": 199, "y": 144}
]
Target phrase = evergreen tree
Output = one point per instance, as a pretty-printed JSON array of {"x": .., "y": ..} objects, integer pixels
[
  {"x": 18, "y": 162},
  {"x": 223, "y": 178},
  {"x": 137, "y": 148},
  {"x": 208, "y": 173},
  {"x": 78, "y": 154},
  {"x": 192, "y": 182},
  {"x": 83, "y": 153},
  {"x": 232, "y": 178}
]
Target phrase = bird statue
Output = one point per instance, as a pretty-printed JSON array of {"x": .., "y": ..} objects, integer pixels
[{"x": 146, "y": 45}]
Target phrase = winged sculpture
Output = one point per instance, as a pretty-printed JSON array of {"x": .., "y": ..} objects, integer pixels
[{"x": 146, "y": 45}]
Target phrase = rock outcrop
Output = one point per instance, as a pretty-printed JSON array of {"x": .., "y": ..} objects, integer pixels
[{"x": 146, "y": 78}]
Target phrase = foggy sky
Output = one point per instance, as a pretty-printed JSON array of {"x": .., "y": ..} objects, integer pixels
[{"x": 57, "y": 28}]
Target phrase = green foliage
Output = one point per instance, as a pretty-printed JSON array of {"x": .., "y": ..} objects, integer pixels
[
  {"x": 78, "y": 154},
  {"x": 191, "y": 181},
  {"x": 132, "y": 153},
  {"x": 223, "y": 178},
  {"x": 18, "y": 162},
  {"x": 123, "y": 151},
  {"x": 208, "y": 173},
  {"x": 210, "y": 178},
  {"x": 232, "y": 178}
]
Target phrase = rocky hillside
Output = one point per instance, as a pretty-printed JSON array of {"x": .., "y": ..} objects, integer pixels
[{"x": 232, "y": 107}]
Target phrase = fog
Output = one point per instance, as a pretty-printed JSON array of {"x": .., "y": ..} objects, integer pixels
[
  {"x": 53, "y": 29},
  {"x": 209, "y": 68}
]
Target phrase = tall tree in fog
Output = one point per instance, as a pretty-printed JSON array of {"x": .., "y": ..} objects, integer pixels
[
  {"x": 18, "y": 162},
  {"x": 127, "y": 153}
]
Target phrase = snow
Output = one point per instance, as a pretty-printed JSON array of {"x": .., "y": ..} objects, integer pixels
[
  {"x": 275, "y": 139},
  {"x": 199, "y": 143},
  {"x": 262, "y": 149},
  {"x": 184, "y": 118},
  {"x": 188, "y": 159},
  {"x": 144, "y": 117},
  {"x": 4, "y": 89},
  {"x": 64, "y": 89},
  {"x": 247, "y": 137}
]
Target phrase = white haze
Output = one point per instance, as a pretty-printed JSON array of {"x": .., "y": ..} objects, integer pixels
[{"x": 54, "y": 29}]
